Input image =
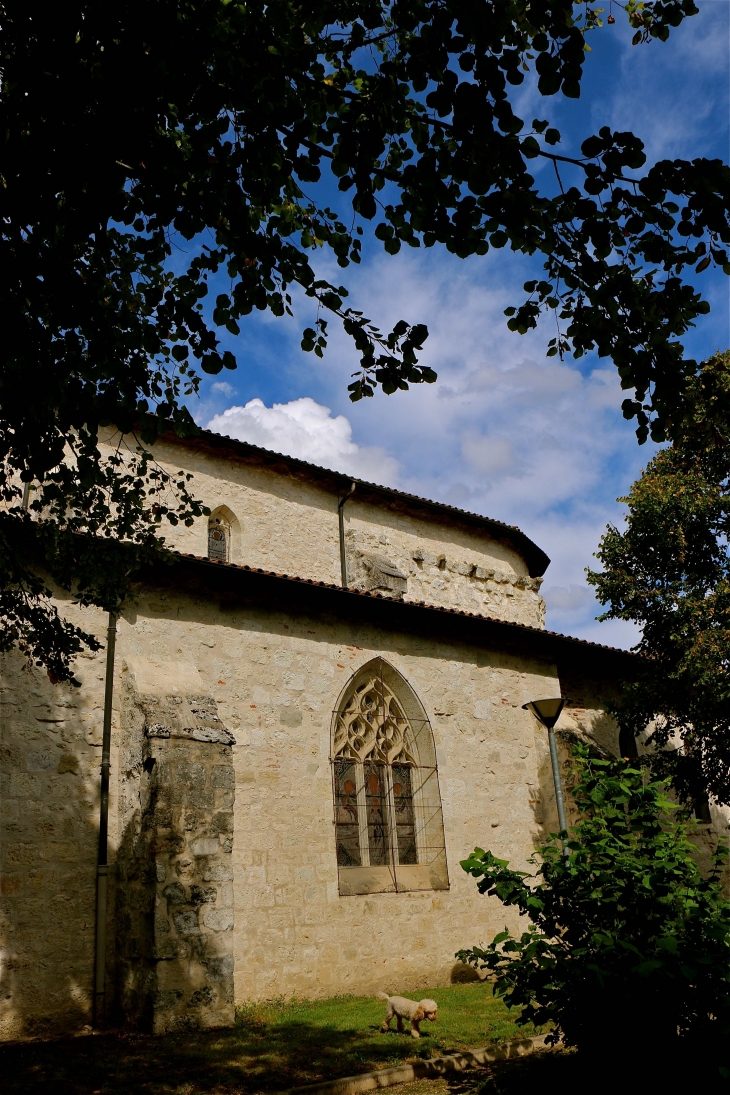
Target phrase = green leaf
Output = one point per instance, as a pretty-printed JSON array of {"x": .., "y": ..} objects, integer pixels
[{"x": 211, "y": 363}]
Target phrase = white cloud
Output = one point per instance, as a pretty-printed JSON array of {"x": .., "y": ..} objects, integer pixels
[
  {"x": 506, "y": 432},
  {"x": 489, "y": 455},
  {"x": 306, "y": 429},
  {"x": 223, "y": 387},
  {"x": 569, "y": 598}
]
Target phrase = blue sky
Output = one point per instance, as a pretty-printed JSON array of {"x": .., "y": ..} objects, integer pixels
[{"x": 505, "y": 431}]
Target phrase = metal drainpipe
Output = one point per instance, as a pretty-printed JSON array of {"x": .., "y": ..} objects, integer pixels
[
  {"x": 102, "y": 864},
  {"x": 341, "y": 519},
  {"x": 558, "y": 786}
]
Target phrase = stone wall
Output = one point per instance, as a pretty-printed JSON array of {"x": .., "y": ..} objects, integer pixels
[
  {"x": 275, "y": 677},
  {"x": 50, "y": 739},
  {"x": 174, "y": 915},
  {"x": 215, "y": 899},
  {"x": 290, "y": 526},
  {"x": 458, "y": 577},
  {"x": 224, "y": 873}
]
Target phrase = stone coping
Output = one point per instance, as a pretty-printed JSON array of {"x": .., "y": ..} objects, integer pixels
[{"x": 420, "y": 1069}]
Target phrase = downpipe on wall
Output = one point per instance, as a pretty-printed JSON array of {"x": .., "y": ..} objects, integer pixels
[
  {"x": 558, "y": 787},
  {"x": 341, "y": 520},
  {"x": 102, "y": 859}
]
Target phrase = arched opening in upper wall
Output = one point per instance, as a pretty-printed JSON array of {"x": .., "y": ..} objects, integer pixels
[{"x": 224, "y": 535}]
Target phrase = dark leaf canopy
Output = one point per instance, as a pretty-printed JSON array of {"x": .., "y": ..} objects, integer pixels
[
  {"x": 668, "y": 571},
  {"x": 150, "y": 148},
  {"x": 131, "y": 128}
]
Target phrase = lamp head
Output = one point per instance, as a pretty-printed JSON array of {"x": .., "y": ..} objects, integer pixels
[{"x": 546, "y": 711}]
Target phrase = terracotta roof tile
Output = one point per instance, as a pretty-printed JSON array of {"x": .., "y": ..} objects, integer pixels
[{"x": 372, "y": 594}]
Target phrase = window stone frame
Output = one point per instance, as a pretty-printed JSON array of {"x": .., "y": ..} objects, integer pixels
[{"x": 410, "y": 744}]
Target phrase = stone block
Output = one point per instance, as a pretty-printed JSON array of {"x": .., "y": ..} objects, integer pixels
[
  {"x": 203, "y": 846},
  {"x": 38, "y": 760},
  {"x": 223, "y": 775},
  {"x": 203, "y": 895},
  {"x": 175, "y": 894},
  {"x": 295, "y": 682},
  {"x": 218, "y": 920},
  {"x": 168, "y": 998},
  {"x": 165, "y": 949},
  {"x": 219, "y": 968},
  {"x": 189, "y": 774},
  {"x": 166, "y": 1023},
  {"x": 222, "y": 822},
  {"x": 68, "y": 763},
  {"x": 186, "y": 921},
  {"x": 217, "y": 871}
]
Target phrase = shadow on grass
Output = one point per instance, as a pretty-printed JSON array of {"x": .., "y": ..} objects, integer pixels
[
  {"x": 239, "y": 1060},
  {"x": 244, "y": 1062},
  {"x": 627, "y": 1067},
  {"x": 274, "y": 1047}
]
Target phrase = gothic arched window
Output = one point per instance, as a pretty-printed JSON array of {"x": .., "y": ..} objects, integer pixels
[{"x": 388, "y": 826}]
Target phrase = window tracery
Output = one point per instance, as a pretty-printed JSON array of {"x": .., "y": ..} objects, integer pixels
[{"x": 388, "y": 826}]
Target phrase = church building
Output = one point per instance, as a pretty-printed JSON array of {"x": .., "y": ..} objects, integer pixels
[{"x": 317, "y": 712}]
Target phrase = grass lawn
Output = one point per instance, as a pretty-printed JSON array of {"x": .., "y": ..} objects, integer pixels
[{"x": 272, "y": 1048}]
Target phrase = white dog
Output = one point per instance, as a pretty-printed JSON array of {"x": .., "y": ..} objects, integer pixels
[{"x": 401, "y": 1008}]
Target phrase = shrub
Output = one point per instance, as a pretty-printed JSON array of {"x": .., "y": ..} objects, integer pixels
[{"x": 624, "y": 930}]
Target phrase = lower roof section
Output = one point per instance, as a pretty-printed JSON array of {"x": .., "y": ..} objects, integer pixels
[{"x": 241, "y": 586}]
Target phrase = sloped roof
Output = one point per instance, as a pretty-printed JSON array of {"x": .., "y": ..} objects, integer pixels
[
  {"x": 279, "y": 590},
  {"x": 339, "y": 482}
]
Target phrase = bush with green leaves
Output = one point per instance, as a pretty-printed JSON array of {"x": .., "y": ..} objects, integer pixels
[{"x": 625, "y": 929}]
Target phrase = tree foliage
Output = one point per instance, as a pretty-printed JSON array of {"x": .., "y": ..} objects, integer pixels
[
  {"x": 669, "y": 572},
  {"x": 625, "y": 934},
  {"x": 150, "y": 148}
]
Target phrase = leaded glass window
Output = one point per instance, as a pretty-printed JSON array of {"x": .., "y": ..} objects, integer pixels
[
  {"x": 404, "y": 819},
  {"x": 388, "y": 827},
  {"x": 346, "y": 815},
  {"x": 376, "y": 800},
  {"x": 218, "y": 540}
]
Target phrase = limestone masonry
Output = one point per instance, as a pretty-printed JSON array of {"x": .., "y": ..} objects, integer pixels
[{"x": 297, "y": 768}]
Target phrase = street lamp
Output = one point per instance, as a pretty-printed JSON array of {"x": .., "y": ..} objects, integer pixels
[{"x": 548, "y": 712}]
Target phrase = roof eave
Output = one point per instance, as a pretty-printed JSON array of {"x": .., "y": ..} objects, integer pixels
[{"x": 281, "y": 592}]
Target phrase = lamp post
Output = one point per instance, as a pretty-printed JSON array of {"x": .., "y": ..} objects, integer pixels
[{"x": 547, "y": 712}]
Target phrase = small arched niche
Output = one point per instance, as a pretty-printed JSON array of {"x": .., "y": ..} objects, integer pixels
[
  {"x": 389, "y": 833},
  {"x": 224, "y": 535}
]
